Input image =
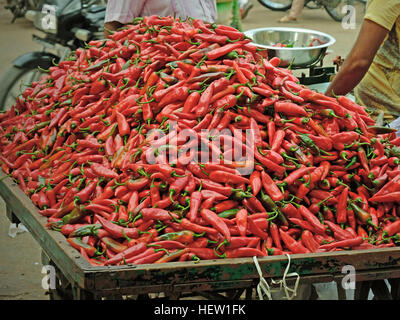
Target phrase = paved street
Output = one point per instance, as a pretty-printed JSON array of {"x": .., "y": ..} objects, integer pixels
[{"x": 20, "y": 266}]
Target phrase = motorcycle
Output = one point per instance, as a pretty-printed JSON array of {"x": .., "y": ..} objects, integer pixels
[
  {"x": 335, "y": 8},
  {"x": 67, "y": 26},
  {"x": 19, "y": 7}
]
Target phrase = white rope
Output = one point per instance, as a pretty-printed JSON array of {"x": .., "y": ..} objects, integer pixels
[{"x": 263, "y": 287}]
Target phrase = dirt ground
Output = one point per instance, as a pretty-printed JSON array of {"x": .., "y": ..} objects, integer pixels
[{"x": 20, "y": 265}]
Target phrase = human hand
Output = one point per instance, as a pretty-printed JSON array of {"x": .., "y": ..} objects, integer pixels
[{"x": 110, "y": 27}]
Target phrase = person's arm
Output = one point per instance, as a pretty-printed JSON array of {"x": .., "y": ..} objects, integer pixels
[{"x": 356, "y": 65}]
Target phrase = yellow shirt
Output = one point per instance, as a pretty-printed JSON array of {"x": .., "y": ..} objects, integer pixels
[{"x": 380, "y": 87}]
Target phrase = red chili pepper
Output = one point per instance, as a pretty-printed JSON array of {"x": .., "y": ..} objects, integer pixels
[
  {"x": 225, "y": 205},
  {"x": 294, "y": 175},
  {"x": 187, "y": 224},
  {"x": 341, "y": 212},
  {"x": 219, "y": 52},
  {"x": 304, "y": 189},
  {"x": 227, "y": 177},
  {"x": 351, "y": 218},
  {"x": 392, "y": 228},
  {"x": 351, "y": 105},
  {"x": 195, "y": 201},
  {"x": 311, "y": 218},
  {"x": 363, "y": 158},
  {"x": 183, "y": 236},
  {"x": 172, "y": 256},
  {"x": 204, "y": 102},
  {"x": 308, "y": 241},
  {"x": 238, "y": 242},
  {"x": 201, "y": 242},
  {"x": 255, "y": 229},
  {"x": 290, "y": 109},
  {"x": 113, "y": 245},
  {"x": 117, "y": 231},
  {"x": 175, "y": 94},
  {"x": 266, "y": 92},
  {"x": 289, "y": 210},
  {"x": 274, "y": 230},
  {"x": 270, "y": 187},
  {"x": 239, "y": 73},
  {"x": 255, "y": 182},
  {"x": 293, "y": 245},
  {"x": 102, "y": 171},
  {"x": 191, "y": 101},
  {"x": 157, "y": 214},
  {"x": 242, "y": 252},
  {"x": 241, "y": 221},
  {"x": 123, "y": 125},
  {"x": 216, "y": 222},
  {"x": 79, "y": 244},
  {"x": 257, "y": 115},
  {"x": 208, "y": 203},
  {"x": 249, "y": 206},
  {"x": 348, "y": 243},
  {"x": 271, "y": 165},
  {"x": 256, "y": 204},
  {"x": 346, "y": 137},
  {"x": 231, "y": 33},
  {"x": 303, "y": 224},
  {"x": 363, "y": 216},
  {"x": 85, "y": 193},
  {"x": 338, "y": 232},
  {"x": 204, "y": 253},
  {"x": 137, "y": 184},
  {"x": 148, "y": 258},
  {"x": 278, "y": 139}
]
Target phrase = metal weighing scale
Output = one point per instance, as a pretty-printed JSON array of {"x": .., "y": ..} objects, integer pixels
[{"x": 301, "y": 50}]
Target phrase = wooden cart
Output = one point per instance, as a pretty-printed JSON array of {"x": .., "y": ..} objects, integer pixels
[{"x": 216, "y": 279}]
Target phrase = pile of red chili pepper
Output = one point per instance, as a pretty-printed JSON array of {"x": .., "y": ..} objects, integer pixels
[{"x": 325, "y": 176}]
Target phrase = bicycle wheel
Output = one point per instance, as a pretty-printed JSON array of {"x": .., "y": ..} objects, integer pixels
[
  {"x": 276, "y": 5},
  {"x": 337, "y": 9}
]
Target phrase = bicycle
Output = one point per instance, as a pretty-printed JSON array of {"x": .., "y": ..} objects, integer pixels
[{"x": 335, "y": 8}]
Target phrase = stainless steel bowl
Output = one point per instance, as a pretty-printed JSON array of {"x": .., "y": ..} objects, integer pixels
[{"x": 309, "y": 46}]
